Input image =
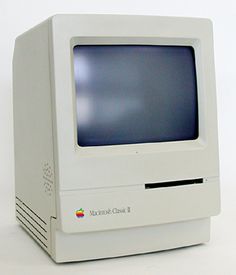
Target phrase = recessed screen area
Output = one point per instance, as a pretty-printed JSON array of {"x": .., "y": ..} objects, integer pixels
[{"x": 128, "y": 94}]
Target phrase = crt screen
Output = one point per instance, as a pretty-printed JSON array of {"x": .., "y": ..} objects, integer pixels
[{"x": 127, "y": 94}]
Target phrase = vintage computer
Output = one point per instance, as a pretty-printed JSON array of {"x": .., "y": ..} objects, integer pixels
[{"x": 115, "y": 129}]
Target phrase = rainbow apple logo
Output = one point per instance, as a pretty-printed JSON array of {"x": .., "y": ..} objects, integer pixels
[{"x": 80, "y": 213}]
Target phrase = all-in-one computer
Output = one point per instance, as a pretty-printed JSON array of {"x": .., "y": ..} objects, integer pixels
[{"x": 115, "y": 125}]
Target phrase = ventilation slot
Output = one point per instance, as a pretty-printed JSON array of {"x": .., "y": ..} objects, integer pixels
[
  {"x": 172, "y": 183},
  {"x": 32, "y": 222}
]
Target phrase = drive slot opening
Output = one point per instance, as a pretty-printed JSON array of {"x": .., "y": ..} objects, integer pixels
[{"x": 172, "y": 183}]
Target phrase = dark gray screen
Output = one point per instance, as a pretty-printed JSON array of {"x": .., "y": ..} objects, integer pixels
[{"x": 135, "y": 94}]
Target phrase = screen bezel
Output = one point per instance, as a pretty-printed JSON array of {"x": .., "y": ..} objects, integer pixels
[
  {"x": 154, "y": 147},
  {"x": 130, "y": 166}
]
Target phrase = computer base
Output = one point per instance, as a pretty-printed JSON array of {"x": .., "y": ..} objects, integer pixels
[{"x": 116, "y": 243}]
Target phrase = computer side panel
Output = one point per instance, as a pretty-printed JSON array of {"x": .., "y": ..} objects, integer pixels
[{"x": 33, "y": 135}]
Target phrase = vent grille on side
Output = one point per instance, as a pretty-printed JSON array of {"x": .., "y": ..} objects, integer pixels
[
  {"x": 33, "y": 224},
  {"x": 48, "y": 179}
]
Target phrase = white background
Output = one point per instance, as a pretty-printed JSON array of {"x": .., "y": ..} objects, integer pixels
[{"x": 18, "y": 253}]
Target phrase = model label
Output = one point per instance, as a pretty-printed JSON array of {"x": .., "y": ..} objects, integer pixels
[{"x": 110, "y": 211}]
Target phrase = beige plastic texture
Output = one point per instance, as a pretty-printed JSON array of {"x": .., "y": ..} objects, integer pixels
[
  {"x": 115, "y": 243},
  {"x": 55, "y": 177},
  {"x": 33, "y": 135}
]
